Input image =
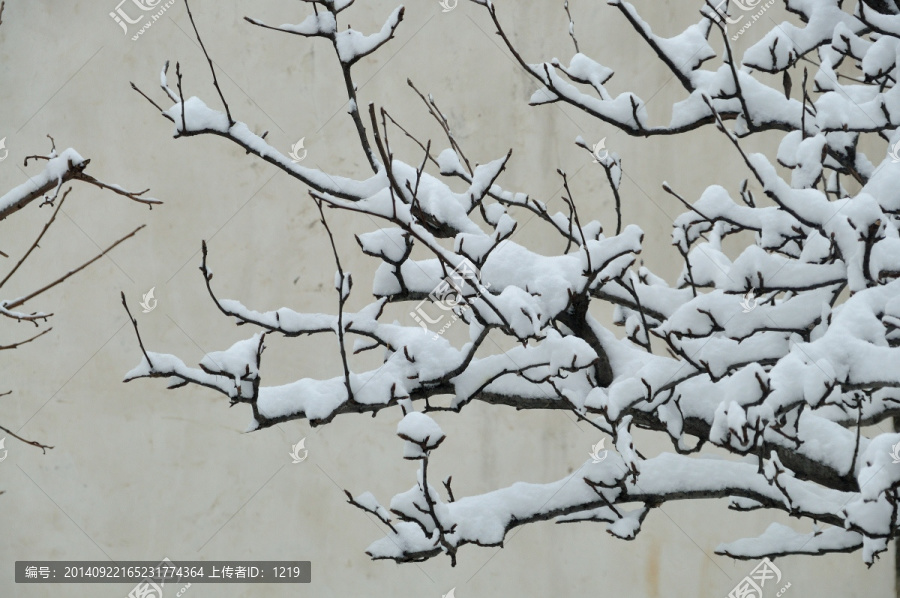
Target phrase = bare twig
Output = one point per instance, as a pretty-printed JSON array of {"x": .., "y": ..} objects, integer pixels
[
  {"x": 68, "y": 274},
  {"x": 136, "y": 331},
  {"x": 43, "y": 447},
  {"x": 211, "y": 68},
  {"x": 38, "y": 239},
  {"x": 342, "y": 299},
  {"x": 27, "y": 340}
]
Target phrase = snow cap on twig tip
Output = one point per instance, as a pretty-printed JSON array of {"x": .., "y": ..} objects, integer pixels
[{"x": 421, "y": 433}]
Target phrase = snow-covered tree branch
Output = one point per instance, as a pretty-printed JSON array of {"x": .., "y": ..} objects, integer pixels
[
  {"x": 60, "y": 168},
  {"x": 779, "y": 354}
]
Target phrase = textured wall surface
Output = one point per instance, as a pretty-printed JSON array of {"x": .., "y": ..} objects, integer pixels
[{"x": 142, "y": 473}]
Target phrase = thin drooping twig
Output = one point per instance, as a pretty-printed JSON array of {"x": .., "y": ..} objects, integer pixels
[
  {"x": 68, "y": 274},
  {"x": 43, "y": 447}
]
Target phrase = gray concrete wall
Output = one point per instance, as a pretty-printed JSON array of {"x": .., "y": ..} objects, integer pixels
[{"x": 142, "y": 473}]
